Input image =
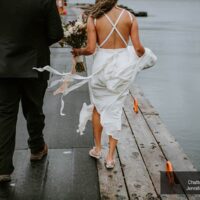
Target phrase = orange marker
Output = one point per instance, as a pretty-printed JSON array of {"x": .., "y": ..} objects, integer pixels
[
  {"x": 169, "y": 172},
  {"x": 136, "y": 109}
]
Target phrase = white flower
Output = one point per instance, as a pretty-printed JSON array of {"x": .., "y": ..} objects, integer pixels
[
  {"x": 83, "y": 26},
  {"x": 67, "y": 34},
  {"x": 76, "y": 28},
  {"x": 71, "y": 30},
  {"x": 69, "y": 26},
  {"x": 78, "y": 24}
]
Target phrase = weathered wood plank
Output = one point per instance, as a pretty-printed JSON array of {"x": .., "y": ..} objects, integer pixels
[
  {"x": 71, "y": 174},
  {"x": 112, "y": 185},
  {"x": 137, "y": 178},
  {"x": 58, "y": 181},
  {"x": 170, "y": 147},
  {"x": 152, "y": 155},
  {"x": 144, "y": 103},
  {"x": 85, "y": 175},
  {"x": 28, "y": 176},
  {"x": 7, "y": 189}
]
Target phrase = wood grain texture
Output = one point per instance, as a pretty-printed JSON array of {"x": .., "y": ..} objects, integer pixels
[
  {"x": 166, "y": 141},
  {"x": 149, "y": 148},
  {"x": 136, "y": 175}
]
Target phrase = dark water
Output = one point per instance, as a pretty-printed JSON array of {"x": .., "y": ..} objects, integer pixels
[{"x": 172, "y": 31}]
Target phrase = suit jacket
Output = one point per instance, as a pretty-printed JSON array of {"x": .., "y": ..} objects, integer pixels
[{"x": 27, "y": 29}]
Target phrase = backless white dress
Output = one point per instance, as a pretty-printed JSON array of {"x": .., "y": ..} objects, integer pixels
[{"x": 113, "y": 71}]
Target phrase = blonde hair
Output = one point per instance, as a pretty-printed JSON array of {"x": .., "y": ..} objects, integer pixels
[{"x": 101, "y": 7}]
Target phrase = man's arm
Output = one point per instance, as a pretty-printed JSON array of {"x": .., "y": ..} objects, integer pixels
[{"x": 54, "y": 24}]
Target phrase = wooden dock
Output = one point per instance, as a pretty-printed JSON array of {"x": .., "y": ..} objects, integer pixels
[
  {"x": 144, "y": 147},
  {"x": 68, "y": 173},
  {"x": 142, "y": 152}
]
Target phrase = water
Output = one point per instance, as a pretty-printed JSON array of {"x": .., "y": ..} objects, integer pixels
[{"x": 172, "y": 31}]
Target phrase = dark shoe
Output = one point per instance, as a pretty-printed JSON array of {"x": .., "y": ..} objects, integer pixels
[
  {"x": 40, "y": 155},
  {"x": 5, "y": 178}
]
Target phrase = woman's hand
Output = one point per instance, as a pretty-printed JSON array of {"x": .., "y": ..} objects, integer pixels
[{"x": 75, "y": 52}]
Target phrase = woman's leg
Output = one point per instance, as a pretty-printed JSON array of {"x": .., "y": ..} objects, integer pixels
[
  {"x": 97, "y": 129},
  {"x": 112, "y": 147}
]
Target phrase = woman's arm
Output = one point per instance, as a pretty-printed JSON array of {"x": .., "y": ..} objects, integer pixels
[
  {"x": 91, "y": 40},
  {"x": 136, "y": 39}
]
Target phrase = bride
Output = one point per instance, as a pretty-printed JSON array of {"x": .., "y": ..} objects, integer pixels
[{"x": 109, "y": 28}]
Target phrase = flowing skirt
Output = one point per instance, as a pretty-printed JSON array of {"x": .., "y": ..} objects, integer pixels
[
  {"x": 113, "y": 71},
  {"x": 110, "y": 87}
]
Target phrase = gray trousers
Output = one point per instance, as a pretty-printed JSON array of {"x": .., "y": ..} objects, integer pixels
[{"x": 31, "y": 94}]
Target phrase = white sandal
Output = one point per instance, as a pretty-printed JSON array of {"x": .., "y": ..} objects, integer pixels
[
  {"x": 110, "y": 164},
  {"x": 93, "y": 153}
]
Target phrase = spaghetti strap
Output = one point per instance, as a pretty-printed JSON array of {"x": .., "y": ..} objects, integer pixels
[
  {"x": 114, "y": 25},
  {"x": 131, "y": 16}
]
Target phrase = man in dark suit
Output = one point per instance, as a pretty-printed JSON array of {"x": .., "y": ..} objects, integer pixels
[{"x": 27, "y": 29}]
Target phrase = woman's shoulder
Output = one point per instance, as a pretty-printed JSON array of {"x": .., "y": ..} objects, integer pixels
[
  {"x": 130, "y": 16},
  {"x": 91, "y": 21},
  {"x": 94, "y": 20},
  {"x": 127, "y": 15}
]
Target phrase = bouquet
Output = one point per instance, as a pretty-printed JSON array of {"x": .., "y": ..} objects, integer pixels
[{"x": 75, "y": 35}]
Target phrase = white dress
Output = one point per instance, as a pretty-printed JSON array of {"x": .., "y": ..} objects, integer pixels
[{"x": 113, "y": 71}]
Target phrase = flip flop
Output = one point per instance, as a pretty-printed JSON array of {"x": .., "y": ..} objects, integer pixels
[
  {"x": 110, "y": 164},
  {"x": 94, "y": 154}
]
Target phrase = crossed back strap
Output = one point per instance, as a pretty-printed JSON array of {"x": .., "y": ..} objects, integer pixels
[{"x": 114, "y": 28}]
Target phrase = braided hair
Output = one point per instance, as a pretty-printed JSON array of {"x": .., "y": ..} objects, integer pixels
[{"x": 101, "y": 7}]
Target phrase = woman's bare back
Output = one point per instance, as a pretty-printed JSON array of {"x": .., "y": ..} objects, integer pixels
[
  {"x": 99, "y": 31},
  {"x": 104, "y": 27}
]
